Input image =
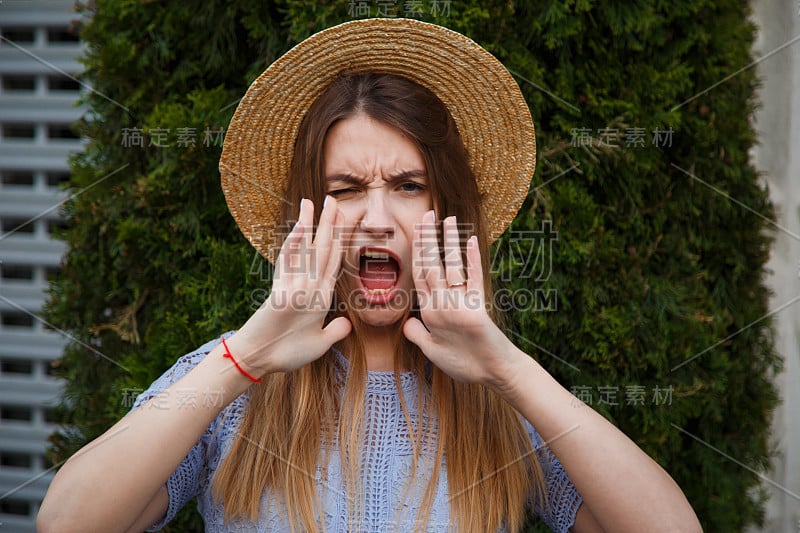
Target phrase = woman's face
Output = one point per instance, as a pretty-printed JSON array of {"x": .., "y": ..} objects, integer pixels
[{"x": 379, "y": 180}]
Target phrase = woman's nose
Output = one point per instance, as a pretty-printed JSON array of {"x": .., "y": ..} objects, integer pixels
[{"x": 377, "y": 216}]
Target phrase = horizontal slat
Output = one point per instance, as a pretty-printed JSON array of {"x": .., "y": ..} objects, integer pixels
[
  {"x": 40, "y": 60},
  {"x": 22, "y": 432},
  {"x": 50, "y": 109},
  {"x": 38, "y": 13},
  {"x": 39, "y": 156},
  {"x": 31, "y": 203},
  {"x": 31, "y": 250},
  {"x": 16, "y": 524},
  {"x": 33, "y": 446},
  {"x": 42, "y": 346},
  {"x": 35, "y": 393},
  {"x": 28, "y": 302},
  {"x": 11, "y": 480}
]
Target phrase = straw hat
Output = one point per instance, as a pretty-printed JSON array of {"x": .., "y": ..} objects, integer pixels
[{"x": 492, "y": 117}]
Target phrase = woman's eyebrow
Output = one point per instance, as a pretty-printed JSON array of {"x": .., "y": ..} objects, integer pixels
[
  {"x": 352, "y": 179},
  {"x": 346, "y": 178},
  {"x": 406, "y": 174}
]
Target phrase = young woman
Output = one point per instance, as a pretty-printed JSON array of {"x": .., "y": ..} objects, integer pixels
[{"x": 373, "y": 390}]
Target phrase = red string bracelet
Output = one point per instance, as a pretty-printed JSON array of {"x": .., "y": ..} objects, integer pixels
[{"x": 242, "y": 370}]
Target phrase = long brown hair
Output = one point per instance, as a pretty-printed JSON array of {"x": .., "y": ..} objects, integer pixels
[{"x": 492, "y": 470}]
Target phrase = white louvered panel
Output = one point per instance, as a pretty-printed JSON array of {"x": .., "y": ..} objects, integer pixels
[{"x": 35, "y": 96}]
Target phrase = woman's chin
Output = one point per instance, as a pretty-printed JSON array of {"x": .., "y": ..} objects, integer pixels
[
  {"x": 380, "y": 308},
  {"x": 377, "y": 317}
]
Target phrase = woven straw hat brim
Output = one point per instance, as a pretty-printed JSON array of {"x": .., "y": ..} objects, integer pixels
[{"x": 491, "y": 114}]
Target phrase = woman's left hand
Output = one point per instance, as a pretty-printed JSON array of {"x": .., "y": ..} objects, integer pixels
[
  {"x": 459, "y": 337},
  {"x": 456, "y": 332}
]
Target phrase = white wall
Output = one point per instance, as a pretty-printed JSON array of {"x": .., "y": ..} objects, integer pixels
[{"x": 778, "y": 158}]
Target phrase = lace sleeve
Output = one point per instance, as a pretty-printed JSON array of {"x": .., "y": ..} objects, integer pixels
[
  {"x": 183, "y": 484},
  {"x": 563, "y": 499}
]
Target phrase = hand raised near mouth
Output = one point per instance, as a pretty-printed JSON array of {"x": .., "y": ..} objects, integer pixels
[
  {"x": 287, "y": 330},
  {"x": 456, "y": 332}
]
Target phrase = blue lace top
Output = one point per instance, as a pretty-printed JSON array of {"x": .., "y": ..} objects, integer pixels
[{"x": 387, "y": 505}]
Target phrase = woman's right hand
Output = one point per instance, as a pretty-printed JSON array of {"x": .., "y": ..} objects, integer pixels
[{"x": 287, "y": 331}]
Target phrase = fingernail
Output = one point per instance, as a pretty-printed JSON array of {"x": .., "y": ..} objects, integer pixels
[
  {"x": 325, "y": 202},
  {"x": 472, "y": 242}
]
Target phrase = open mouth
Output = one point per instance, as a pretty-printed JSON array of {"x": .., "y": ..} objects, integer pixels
[{"x": 378, "y": 271}]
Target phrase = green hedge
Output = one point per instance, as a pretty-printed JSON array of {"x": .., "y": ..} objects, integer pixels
[{"x": 654, "y": 260}]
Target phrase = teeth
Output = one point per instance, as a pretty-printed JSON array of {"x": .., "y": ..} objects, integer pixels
[
  {"x": 376, "y": 255},
  {"x": 378, "y": 291}
]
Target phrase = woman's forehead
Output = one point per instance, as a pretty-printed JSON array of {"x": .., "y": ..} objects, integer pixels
[{"x": 363, "y": 147}]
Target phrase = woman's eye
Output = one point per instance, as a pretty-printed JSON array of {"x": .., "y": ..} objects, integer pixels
[
  {"x": 341, "y": 192},
  {"x": 410, "y": 186}
]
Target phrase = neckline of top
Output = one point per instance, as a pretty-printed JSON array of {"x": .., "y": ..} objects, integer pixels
[{"x": 380, "y": 381}]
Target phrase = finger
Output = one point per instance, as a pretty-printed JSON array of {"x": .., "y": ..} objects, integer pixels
[
  {"x": 474, "y": 267},
  {"x": 323, "y": 236},
  {"x": 431, "y": 263},
  {"x": 336, "y": 330},
  {"x": 326, "y": 220},
  {"x": 334, "y": 260},
  {"x": 416, "y": 332},
  {"x": 306, "y": 218},
  {"x": 453, "y": 264},
  {"x": 287, "y": 257},
  {"x": 303, "y": 260},
  {"x": 418, "y": 253}
]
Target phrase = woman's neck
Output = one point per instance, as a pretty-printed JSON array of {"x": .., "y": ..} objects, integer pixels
[{"x": 380, "y": 345}]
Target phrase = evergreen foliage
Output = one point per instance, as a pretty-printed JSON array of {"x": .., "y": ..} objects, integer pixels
[{"x": 656, "y": 262}]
